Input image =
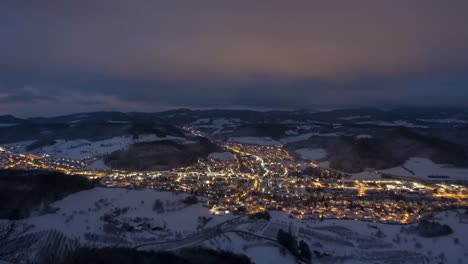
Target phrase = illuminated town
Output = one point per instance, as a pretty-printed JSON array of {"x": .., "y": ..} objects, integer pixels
[{"x": 257, "y": 178}]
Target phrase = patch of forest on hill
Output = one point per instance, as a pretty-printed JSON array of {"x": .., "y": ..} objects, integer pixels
[
  {"x": 160, "y": 155},
  {"x": 23, "y": 191},
  {"x": 385, "y": 149}
]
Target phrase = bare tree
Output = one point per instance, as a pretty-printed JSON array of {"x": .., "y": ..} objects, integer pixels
[{"x": 14, "y": 240}]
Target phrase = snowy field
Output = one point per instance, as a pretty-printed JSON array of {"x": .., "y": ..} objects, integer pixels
[
  {"x": 325, "y": 164},
  {"x": 366, "y": 175},
  {"x": 399, "y": 123},
  {"x": 363, "y": 242},
  {"x": 269, "y": 141},
  {"x": 83, "y": 148},
  {"x": 426, "y": 169},
  {"x": 227, "y": 156},
  {"x": 7, "y": 125},
  {"x": 363, "y": 136},
  {"x": 82, "y": 216},
  {"x": 264, "y": 141},
  {"x": 259, "y": 250},
  {"x": 214, "y": 126},
  {"x": 82, "y": 213},
  {"x": 312, "y": 153},
  {"x": 355, "y": 117},
  {"x": 307, "y": 136},
  {"x": 444, "y": 121}
]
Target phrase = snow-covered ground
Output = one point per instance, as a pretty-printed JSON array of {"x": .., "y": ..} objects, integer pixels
[
  {"x": 355, "y": 117},
  {"x": 97, "y": 165},
  {"x": 285, "y": 140},
  {"x": 83, "y": 148},
  {"x": 291, "y": 136},
  {"x": 81, "y": 212},
  {"x": 312, "y": 153},
  {"x": 215, "y": 126},
  {"x": 325, "y": 164},
  {"x": 228, "y": 156},
  {"x": 444, "y": 121},
  {"x": 350, "y": 241},
  {"x": 366, "y": 175},
  {"x": 424, "y": 168},
  {"x": 81, "y": 215},
  {"x": 259, "y": 251},
  {"x": 118, "y": 122},
  {"x": 298, "y": 137},
  {"x": 291, "y": 132},
  {"x": 7, "y": 125},
  {"x": 399, "y": 123},
  {"x": 307, "y": 136},
  {"x": 254, "y": 140}
]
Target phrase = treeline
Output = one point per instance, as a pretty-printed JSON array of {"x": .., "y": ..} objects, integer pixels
[
  {"x": 23, "y": 191},
  {"x": 131, "y": 256}
]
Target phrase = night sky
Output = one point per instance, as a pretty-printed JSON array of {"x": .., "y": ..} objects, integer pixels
[{"x": 59, "y": 57}]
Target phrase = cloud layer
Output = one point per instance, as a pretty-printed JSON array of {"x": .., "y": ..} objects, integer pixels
[{"x": 149, "y": 55}]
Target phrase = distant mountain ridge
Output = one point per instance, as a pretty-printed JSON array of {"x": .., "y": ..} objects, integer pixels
[
  {"x": 355, "y": 139},
  {"x": 9, "y": 119},
  {"x": 451, "y": 123},
  {"x": 181, "y": 115}
]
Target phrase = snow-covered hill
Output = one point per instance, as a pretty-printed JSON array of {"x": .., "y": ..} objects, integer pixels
[
  {"x": 107, "y": 217},
  {"x": 83, "y": 148}
]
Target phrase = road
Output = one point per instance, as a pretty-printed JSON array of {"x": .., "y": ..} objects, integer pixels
[{"x": 206, "y": 234}]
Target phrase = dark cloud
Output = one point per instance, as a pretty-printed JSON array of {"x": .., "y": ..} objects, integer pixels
[{"x": 151, "y": 55}]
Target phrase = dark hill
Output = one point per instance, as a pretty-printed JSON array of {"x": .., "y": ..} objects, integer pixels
[
  {"x": 385, "y": 150},
  {"x": 160, "y": 155},
  {"x": 22, "y": 191}
]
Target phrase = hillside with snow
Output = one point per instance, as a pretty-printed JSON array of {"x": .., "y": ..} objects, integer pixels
[{"x": 153, "y": 220}]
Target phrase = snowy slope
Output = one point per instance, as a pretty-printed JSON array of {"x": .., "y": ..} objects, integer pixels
[
  {"x": 82, "y": 148},
  {"x": 399, "y": 123},
  {"x": 346, "y": 241},
  {"x": 424, "y": 168},
  {"x": 81, "y": 212},
  {"x": 312, "y": 153}
]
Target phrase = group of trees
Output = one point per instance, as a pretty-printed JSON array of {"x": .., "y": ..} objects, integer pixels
[
  {"x": 23, "y": 191},
  {"x": 158, "y": 206},
  {"x": 301, "y": 250},
  {"x": 126, "y": 255},
  {"x": 433, "y": 229},
  {"x": 14, "y": 240},
  {"x": 190, "y": 200},
  {"x": 261, "y": 215}
]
